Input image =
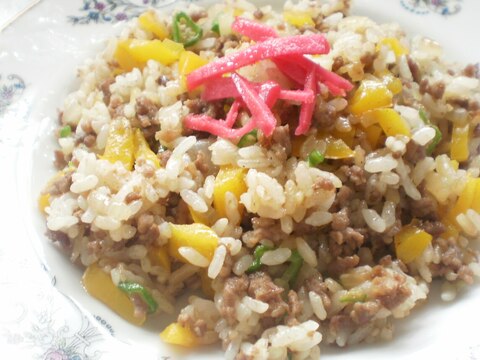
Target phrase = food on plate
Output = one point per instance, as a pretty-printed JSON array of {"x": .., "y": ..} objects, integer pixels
[{"x": 308, "y": 172}]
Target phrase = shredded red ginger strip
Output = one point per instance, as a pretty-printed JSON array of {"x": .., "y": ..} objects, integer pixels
[
  {"x": 215, "y": 127},
  {"x": 257, "y": 105},
  {"x": 232, "y": 114},
  {"x": 254, "y": 30},
  {"x": 260, "y": 32},
  {"x": 272, "y": 48},
  {"x": 306, "y": 111},
  {"x": 223, "y": 88}
]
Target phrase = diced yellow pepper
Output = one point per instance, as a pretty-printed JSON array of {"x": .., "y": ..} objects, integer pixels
[
  {"x": 100, "y": 285},
  {"x": 159, "y": 256},
  {"x": 411, "y": 242},
  {"x": 393, "y": 83},
  {"x": 161, "y": 51},
  {"x": 391, "y": 122},
  {"x": 455, "y": 164},
  {"x": 134, "y": 53},
  {"x": 370, "y": 95},
  {"x": 206, "y": 284},
  {"x": 120, "y": 144},
  {"x": 43, "y": 201},
  {"x": 394, "y": 45},
  {"x": 197, "y": 236},
  {"x": 347, "y": 136},
  {"x": 298, "y": 18},
  {"x": 229, "y": 179},
  {"x": 148, "y": 22},
  {"x": 336, "y": 148},
  {"x": 174, "y": 47},
  {"x": 373, "y": 133},
  {"x": 460, "y": 140},
  {"x": 177, "y": 334},
  {"x": 469, "y": 198},
  {"x": 207, "y": 218},
  {"x": 143, "y": 151},
  {"x": 124, "y": 58},
  {"x": 188, "y": 62}
]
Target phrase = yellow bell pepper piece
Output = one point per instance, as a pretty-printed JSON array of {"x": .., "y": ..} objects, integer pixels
[
  {"x": 298, "y": 18},
  {"x": 197, "y": 236},
  {"x": 177, "y": 334},
  {"x": 455, "y": 164},
  {"x": 460, "y": 139},
  {"x": 370, "y": 95},
  {"x": 161, "y": 51},
  {"x": 394, "y": 45},
  {"x": 207, "y": 218},
  {"x": 229, "y": 179},
  {"x": 393, "y": 83},
  {"x": 206, "y": 284},
  {"x": 43, "y": 201},
  {"x": 348, "y": 137},
  {"x": 120, "y": 144},
  {"x": 99, "y": 285},
  {"x": 143, "y": 151},
  {"x": 159, "y": 256},
  {"x": 411, "y": 242},
  {"x": 188, "y": 62},
  {"x": 134, "y": 53},
  {"x": 373, "y": 133},
  {"x": 391, "y": 122},
  {"x": 124, "y": 58},
  {"x": 469, "y": 198},
  {"x": 336, "y": 148},
  {"x": 148, "y": 22}
]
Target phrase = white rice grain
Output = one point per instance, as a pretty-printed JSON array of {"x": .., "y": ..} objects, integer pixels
[
  {"x": 106, "y": 223},
  {"x": 306, "y": 252},
  {"x": 233, "y": 245},
  {"x": 474, "y": 218},
  {"x": 255, "y": 305},
  {"x": 276, "y": 257},
  {"x": 286, "y": 224},
  {"x": 83, "y": 184},
  {"x": 242, "y": 264},
  {"x": 466, "y": 224},
  {"x": 317, "y": 305},
  {"x": 380, "y": 164},
  {"x": 217, "y": 262},
  {"x": 319, "y": 218},
  {"x": 193, "y": 200},
  {"x": 373, "y": 220},
  {"x": 193, "y": 256},
  {"x": 423, "y": 135}
]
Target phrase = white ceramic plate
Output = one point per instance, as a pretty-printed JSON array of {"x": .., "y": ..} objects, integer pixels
[{"x": 44, "y": 312}]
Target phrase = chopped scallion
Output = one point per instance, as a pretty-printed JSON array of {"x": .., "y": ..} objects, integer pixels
[
  {"x": 248, "y": 139},
  {"x": 132, "y": 288},
  {"x": 189, "y": 35},
  {"x": 65, "y": 131},
  {"x": 315, "y": 158}
]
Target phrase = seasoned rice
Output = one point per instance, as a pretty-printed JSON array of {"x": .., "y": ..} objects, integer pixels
[{"x": 322, "y": 228}]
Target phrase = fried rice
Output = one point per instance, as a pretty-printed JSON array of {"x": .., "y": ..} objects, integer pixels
[{"x": 318, "y": 217}]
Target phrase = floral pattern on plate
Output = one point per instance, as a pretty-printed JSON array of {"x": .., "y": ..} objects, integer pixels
[
  {"x": 443, "y": 7},
  {"x": 111, "y": 11},
  {"x": 11, "y": 88}
]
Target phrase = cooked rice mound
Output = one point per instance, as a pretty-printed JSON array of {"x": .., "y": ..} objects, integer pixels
[{"x": 292, "y": 241}]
